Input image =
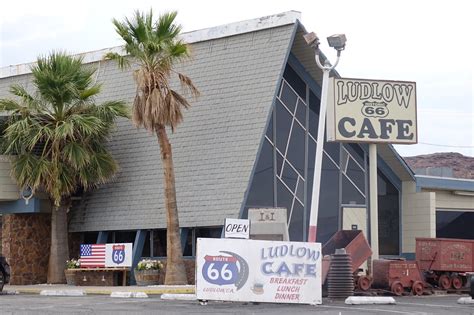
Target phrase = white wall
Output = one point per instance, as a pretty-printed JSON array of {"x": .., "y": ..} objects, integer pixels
[
  {"x": 448, "y": 200},
  {"x": 418, "y": 215}
]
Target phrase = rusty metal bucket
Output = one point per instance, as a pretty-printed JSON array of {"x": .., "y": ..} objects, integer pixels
[{"x": 355, "y": 244}]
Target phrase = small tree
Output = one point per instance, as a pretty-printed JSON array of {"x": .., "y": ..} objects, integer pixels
[
  {"x": 58, "y": 135},
  {"x": 156, "y": 47}
]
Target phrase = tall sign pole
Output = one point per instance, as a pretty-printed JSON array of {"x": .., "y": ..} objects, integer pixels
[
  {"x": 318, "y": 165},
  {"x": 373, "y": 202},
  {"x": 338, "y": 42}
]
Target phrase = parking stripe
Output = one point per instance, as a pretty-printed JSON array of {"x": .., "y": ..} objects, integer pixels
[{"x": 374, "y": 310}]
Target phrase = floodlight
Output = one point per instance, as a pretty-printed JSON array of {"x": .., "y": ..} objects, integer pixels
[
  {"x": 337, "y": 41},
  {"x": 311, "y": 39}
]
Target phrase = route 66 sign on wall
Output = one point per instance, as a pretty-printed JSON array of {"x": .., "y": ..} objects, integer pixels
[{"x": 118, "y": 255}]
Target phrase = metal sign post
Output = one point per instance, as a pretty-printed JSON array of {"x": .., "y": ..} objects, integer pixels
[
  {"x": 338, "y": 42},
  {"x": 373, "y": 202}
]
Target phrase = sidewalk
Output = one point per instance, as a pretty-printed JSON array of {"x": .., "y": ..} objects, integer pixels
[{"x": 90, "y": 290}]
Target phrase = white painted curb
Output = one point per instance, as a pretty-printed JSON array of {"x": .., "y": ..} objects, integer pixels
[
  {"x": 181, "y": 297},
  {"x": 140, "y": 295},
  {"x": 357, "y": 300},
  {"x": 466, "y": 300},
  {"x": 120, "y": 294},
  {"x": 62, "y": 292}
]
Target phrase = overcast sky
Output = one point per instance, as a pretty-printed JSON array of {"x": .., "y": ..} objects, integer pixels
[{"x": 429, "y": 42}]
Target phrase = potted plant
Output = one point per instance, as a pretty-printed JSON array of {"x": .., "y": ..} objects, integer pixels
[
  {"x": 69, "y": 272},
  {"x": 148, "y": 271}
]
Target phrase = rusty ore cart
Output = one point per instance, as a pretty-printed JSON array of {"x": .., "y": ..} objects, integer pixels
[
  {"x": 445, "y": 262},
  {"x": 398, "y": 276}
]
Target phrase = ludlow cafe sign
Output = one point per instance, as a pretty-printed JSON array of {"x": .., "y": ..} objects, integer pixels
[{"x": 372, "y": 111}]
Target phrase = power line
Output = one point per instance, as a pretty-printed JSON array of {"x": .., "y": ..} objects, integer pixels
[{"x": 447, "y": 145}]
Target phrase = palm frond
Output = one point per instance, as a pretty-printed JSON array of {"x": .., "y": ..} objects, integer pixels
[
  {"x": 122, "y": 61},
  {"x": 89, "y": 92},
  {"x": 157, "y": 48},
  {"x": 9, "y": 105},
  {"x": 76, "y": 154},
  {"x": 188, "y": 85},
  {"x": 58, "y": 131}
]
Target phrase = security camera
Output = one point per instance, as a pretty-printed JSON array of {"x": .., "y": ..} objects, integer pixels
[{"x": 337, "y": 41}]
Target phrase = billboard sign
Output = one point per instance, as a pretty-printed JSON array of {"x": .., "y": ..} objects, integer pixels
[
  {"x": 258, "y": 271},
  {"x": 372, "y": 111}
]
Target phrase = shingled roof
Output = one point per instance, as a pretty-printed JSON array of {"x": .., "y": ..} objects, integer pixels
[{"x": 237, "y": 69}]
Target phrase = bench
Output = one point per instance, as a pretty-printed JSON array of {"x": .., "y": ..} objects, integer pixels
[{"x": 100, "y": 276}]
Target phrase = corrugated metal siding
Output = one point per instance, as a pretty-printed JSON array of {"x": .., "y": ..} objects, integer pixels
[{"x": 213, "y": 150}]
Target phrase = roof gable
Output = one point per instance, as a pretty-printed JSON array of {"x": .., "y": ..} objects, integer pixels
[{"x": 214, "y": 149}]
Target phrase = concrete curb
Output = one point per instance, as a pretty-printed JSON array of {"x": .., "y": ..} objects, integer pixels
[
  {"x": 180, "y": 297},
  {"x": 359, "y": 300},
  {"x": 466, "y": 300},
  {"x": 37, "y": 289},
  {"x": 139, "y": 295},
  {"x": 62, "y": 292}
]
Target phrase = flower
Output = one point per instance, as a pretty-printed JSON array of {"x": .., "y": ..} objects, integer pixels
[
  {"x": 73, "y": 263},
  {"x": 149, "y": 264}
]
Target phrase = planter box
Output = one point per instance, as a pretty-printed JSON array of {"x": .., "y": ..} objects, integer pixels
[
  {"x": 70, "y": 276},
  {"x": 147, "y": 277},
  {"x": 96, "y": 276}
]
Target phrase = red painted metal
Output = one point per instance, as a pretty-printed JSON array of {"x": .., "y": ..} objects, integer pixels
[
  {"x": 355, "y": 244},
  {"x": 456, "y": 282},
  {"x": 364, "y": 283},
  {"x": 395, "y": 273},
  {"x": 445, "y": 254},
  {"x": 397, "y": 288},
  {"x": 417, "y": 288},
  {"x": 444, "y": 282}
]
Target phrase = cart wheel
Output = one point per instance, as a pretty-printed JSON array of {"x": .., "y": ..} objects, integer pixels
[
  {"x": 363, "y": 283},
  {"x": 444, "y": 282},
  {"x": 397, "y": 288},
  {"x": 417, "y": 288},
  {"x": 456, "y": 282},
  {"x": 203, "y": 302}
]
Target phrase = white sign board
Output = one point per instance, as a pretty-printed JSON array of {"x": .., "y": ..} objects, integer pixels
[
  {"x": 118, "y": 255},
  {"x": 237, "y": 228},
  {"x": 372, "y": 111},
  {"x": 258, "y": 271}
]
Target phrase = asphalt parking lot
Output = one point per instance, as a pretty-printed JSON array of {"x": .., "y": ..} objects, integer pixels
[{"x": 95, "y": 304}]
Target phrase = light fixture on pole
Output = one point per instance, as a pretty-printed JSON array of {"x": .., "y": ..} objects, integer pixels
[{"x": 338, "y": 42}]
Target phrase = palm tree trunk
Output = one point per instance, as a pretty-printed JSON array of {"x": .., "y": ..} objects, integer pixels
[
  {"x": 59, "y": 251},
  {"x": 175, "y": 269}
]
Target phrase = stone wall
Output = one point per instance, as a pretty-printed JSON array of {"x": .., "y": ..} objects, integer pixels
[{"x": 25, "y": 244}]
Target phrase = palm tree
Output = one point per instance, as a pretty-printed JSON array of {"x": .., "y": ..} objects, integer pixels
[
  {"x": 57, "y": 135},
  {"x": 155, "y": 48}
]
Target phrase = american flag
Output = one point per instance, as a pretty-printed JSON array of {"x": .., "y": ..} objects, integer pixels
[{"x": 92, "y": 255}]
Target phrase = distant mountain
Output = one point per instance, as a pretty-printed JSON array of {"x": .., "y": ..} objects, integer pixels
[{"x": 438, "y": 164}]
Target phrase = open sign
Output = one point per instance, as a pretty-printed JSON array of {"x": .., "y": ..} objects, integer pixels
[{"x": 237, "y": 228}]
